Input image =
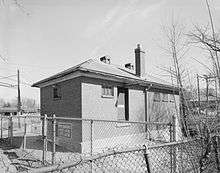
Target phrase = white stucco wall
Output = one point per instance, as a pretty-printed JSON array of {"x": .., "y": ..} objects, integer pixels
[
  {"x": 136, "y": 105},
  {"x": 106, "y": 134},
  {"x": 164, "y": 111},
  {"x": 95, "y": 106}
]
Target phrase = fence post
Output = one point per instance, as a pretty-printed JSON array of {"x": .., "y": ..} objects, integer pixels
[
  {"x": 19, "y": 120},
  {"x": 91, "y": 135},
  {"x": 10, "y": 129},
  {"x": 25, "y": 133},
  {"x": 175, "y": 148},
  {"x": 44, "y": 134},
  {"x": 174, "y": 127},
  {"x": 1, "y": 126},
  {"x": 146, "y": 157},
  {"x": 171, "y": 149},
  {"x": 54, "y": 138},
  {"x": 215, "y": 145},
  {"x": 91, "y": 141}
]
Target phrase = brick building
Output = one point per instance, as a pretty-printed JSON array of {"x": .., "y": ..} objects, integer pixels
[{"x": 97, "y": 89}]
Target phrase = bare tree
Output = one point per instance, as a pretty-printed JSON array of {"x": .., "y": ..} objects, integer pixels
[
  {"x": 2, "y": 102},
  {"x": 176, "y": 49},
  {"x": 201, "y": 36},
  {"x": 209, "y": 41},
  {"x": 17, "y": 3},
  {"x": 29, "y": 104}
]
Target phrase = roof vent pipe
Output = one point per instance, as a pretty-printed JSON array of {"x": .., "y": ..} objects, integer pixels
[
  {"x": 105, "y": 59},
  {"x": 129, "y": 66}
]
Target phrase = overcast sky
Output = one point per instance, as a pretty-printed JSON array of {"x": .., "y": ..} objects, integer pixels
[{"x": 43, "y": 37}]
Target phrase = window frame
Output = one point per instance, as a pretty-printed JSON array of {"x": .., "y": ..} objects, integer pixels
[
  {"x": 106, "y": 94},
  {"x": 172, "y": 98},
  {"x": 163, "y": 97},
  {"x": 58, "y": 92},
  {"x": 157, "y": 99}
]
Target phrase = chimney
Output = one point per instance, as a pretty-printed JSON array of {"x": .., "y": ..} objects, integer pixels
[
  {"x": 129, "y": 66},
  {"x": 139, "y": 61},
  {"x": 105, "y": 59}
]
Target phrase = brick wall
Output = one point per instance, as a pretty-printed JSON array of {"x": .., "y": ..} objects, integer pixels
[{"x": 68, "y": 106}]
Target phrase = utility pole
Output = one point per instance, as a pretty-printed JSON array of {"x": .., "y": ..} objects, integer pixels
[
  {"x": 19, "y": 100},
  {"x": 19, "y": 93}
]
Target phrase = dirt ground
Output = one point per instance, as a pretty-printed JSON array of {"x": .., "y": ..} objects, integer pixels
[{"x": 13, "y": 158}]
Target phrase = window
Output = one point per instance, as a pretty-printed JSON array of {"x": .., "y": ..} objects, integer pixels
[
  {"x": 56, "y": 92},
  {"x": 122, "y": 104},
  {"x": 107, "y": 91},
  {"x": 64, "y": 130},
  {"x": 157, "y": 97},
  {"x": 165, "y": 97},
  {"x": 172, "y": 98}
]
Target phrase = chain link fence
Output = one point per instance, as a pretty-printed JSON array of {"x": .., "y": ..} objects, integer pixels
[
  {"x": 45, "y": 144},
  {"x": 52, "y": 140},
  {"x": 21, "y": 136},
  {"x": 18, "y": 126},
  {"x": 160, "y": 158}
]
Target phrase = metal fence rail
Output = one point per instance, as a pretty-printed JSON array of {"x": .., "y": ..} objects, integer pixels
[{"x": 151, "y": 159}]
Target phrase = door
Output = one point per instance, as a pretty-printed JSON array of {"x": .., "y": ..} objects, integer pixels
[{"x": 122, "y": 104}]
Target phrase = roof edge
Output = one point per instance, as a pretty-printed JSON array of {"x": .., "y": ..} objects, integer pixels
[{"x": 130, "y": 81}]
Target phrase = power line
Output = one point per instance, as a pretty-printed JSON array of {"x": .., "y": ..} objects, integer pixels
[
  {"x": 9, "y": 78},
  {"x": 4, "y": 84},
  {"x": 2, "y": 58},
  {"x": 21, "y": 82},
  {"x": 6, "y": 77}
]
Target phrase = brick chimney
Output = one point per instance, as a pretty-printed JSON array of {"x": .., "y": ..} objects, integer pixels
[{"x": 139, "y": 61}]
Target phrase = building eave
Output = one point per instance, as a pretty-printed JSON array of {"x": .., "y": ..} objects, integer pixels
[
  {"x": 141, "y": 82},
  {"x": 56, "y": 79},
  {"x": 106, "y": 76}
]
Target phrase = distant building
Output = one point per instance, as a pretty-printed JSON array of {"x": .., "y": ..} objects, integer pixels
[
  {"x": 14, "y": 111},
  {"x": 97, "y": 89},
  {"x": 8, "y": 110}
]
